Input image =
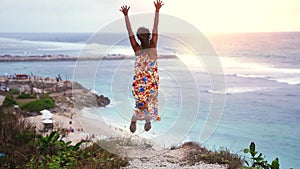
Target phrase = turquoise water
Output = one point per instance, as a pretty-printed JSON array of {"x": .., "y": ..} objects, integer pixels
[{"x": 262, "y": 79}]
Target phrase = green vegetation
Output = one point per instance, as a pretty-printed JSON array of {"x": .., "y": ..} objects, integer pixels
[
  {"x": 45, "y": 95},
  {"x": 14, "y": 91},
  {"x": 16, "y": 139},
  {"x": 26, "y": 96},
  {"x": 97, "y": 157},
  {"x": 23, "y": 148},
  {"x": 196, "y": 153},
  {"x": 258, "y": 161},
  {"x": 9, "y": 101},
  {"x": 54, "y": 153},
  {"x": 38, "y": 105}
]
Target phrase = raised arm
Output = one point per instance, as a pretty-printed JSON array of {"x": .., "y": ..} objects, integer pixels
[
  {"x": 135, "y": 46},
  {"x": 158, "y": 4}
]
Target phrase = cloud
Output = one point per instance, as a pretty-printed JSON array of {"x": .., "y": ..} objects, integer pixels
[{"x": 55, "y": 15}]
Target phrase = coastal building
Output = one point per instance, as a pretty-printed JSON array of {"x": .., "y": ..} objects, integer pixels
[{"x": 21, "y": 76}]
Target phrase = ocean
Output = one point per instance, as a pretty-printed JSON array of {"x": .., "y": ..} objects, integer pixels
[{"x": 260, "y": 102}]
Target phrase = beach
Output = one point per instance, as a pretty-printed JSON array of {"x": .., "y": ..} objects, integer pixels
[{"x": 76, "y": 125}]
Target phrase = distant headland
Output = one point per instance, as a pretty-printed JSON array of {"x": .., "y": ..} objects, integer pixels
[{"x": 16, "y": 58}]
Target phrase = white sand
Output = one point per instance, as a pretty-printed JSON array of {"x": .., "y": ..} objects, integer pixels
[
  {"x": 62, "y": 121},
  {"x": 91, "y": 125}
]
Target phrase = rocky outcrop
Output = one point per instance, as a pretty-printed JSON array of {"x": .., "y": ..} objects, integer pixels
[{"x": 67, "y": 94}]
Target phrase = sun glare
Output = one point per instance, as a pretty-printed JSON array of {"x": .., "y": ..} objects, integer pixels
[{"x": 237, "y": 15}]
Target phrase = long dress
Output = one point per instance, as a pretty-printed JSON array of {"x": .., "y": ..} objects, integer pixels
[{"x": 145, "y": 88}]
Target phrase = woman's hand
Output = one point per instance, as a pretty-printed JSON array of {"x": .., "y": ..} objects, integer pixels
[
  {"x": 158, "y": 4},
  {"x": 124, "y": 9}
]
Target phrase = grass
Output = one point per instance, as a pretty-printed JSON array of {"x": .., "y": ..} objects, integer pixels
[
  {"x": 197, "y": 153},
  {"x": 26, "y": 96},
  {"x": 14, "y": 91},
  {"x": 97, "y": 157},
  {"x": 9, "y": 101}
]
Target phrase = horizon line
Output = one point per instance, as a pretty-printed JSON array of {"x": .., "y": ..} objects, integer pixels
[{"x": 205, "y": 32}]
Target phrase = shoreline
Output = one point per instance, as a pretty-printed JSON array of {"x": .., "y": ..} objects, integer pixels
[{"x": 50, "y": 58}]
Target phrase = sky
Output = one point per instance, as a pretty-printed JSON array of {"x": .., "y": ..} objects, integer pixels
[{"x": 206, "y": 15}]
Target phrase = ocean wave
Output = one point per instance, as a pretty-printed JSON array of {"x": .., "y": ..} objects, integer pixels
[
  {"x": 254, "y": 66},
  {"x": 292, "y": 80},
  {"x": 289, "y": 80},
  {"x": 8, "y": 40},
  {"x": 251, "y": 75},
  {"x": 235, "y": 90},
  {"x": 283, "y": 70}
]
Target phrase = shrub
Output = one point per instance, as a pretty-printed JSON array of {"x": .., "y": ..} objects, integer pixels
[
  {"x": 196, "y": 153},
  {"x": 14, "y": 91},
  {"x": 16, "y": 140},
  {"x": 45, "y": 95},
  {"x": 96, "y": 157},
  {"x": 26, "y": 96},
  {"x": 258, "y": 161},
  {"x": 22, "y": 148},
  {"x": 9, "y": 101},
  {"x": 38, "y": 105},
  {"x": 54, "y": 153}
]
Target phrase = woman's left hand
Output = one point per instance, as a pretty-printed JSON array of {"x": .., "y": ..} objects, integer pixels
[
  {"x": 124, "y": 9},
  {"x": 158, "y": 4}
]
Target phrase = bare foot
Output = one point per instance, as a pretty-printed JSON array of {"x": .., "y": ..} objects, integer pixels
[
  {"x": 147, "y": 126},
  {"x": 132, "y": 126}
]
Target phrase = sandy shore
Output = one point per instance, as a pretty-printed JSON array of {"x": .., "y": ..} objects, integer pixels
[
  {"x": 92, "y": 127},
  {"x": 62, "y": 121}
]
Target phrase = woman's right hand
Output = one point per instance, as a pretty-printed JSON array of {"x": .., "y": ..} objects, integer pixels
[{"x": 124, "y": 9}]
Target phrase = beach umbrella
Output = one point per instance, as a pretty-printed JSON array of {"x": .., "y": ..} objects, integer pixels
[
  {"x": 47, "y": 121},
  {"x": 46, "y": 114},
  {"x": 45, "y": 111},
  {"x": 46, "y": 117}
]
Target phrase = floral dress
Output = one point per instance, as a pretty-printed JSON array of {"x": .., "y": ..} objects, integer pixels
[{"x": 145, "y": 88}]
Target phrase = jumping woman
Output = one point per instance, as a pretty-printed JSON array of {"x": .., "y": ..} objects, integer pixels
[{"x": 145, "y": 79}]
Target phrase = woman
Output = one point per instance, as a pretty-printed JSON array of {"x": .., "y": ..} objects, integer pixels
[{"x": 145, "y": 80}]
